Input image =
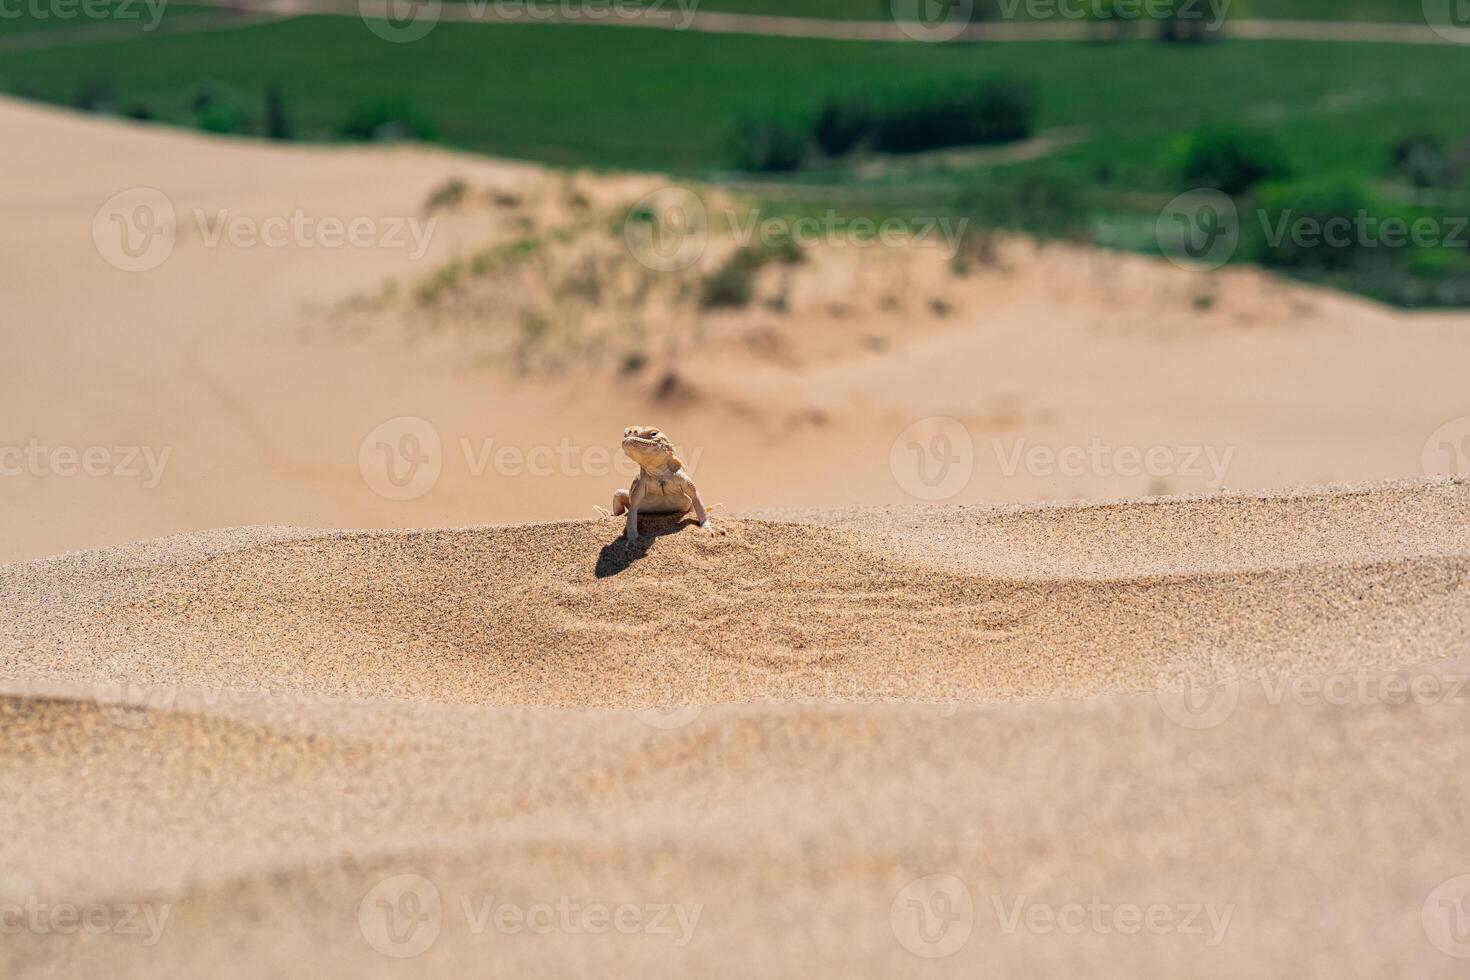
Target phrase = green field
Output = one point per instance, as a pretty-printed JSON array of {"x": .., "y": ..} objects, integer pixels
[
  {"x": 1111, "y": 119},
  {"x": 613, "y": 97}
]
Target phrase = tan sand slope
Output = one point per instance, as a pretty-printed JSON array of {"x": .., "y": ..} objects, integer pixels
[
  {"x": 265, "y": 381},
  {"x": 215, "y": 727}
]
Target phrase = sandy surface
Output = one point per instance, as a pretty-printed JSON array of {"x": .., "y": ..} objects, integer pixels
[
  {"x": 774, "y": 729},
  {"x": 951, "y": 688},
  {"x": 276, "y": 384}
]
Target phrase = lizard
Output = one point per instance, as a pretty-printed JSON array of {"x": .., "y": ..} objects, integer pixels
[{"x": 662, "y": 485}]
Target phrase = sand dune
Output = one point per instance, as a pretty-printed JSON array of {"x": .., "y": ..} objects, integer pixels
[
  {"x": 772, "y": 731},
  {"x": 1218, "y": 733},
  {"x": 260, "y": 377}
]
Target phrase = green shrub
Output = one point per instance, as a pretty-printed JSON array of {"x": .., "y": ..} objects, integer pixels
[
  {"x": 1188, "y": 22},
  {"x": 841, "y": 125},
  {"x": 994, "y": 110},
  {"x": 1231, "y": 160},
  {"x": 449, "y": 194},
  {"x": 767, "y": 145},
  {"x": 277, "y": 123},
  {"x": 1330, "y": 212},
  {"x": 732, "y": 284},
  {"x": 1040, "y": 204},
  {"x": 94, "y": 95},
  {"x": 218, "y": 110},
  {"x": 1421, "y": 160},
  {"x": 385, "y": 121}
]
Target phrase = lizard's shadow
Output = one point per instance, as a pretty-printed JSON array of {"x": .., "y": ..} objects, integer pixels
[{"x": 620, "y": 553}]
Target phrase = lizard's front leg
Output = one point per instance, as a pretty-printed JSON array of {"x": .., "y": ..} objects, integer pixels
[
  {"x": 620, "y": 503},
  {"x": 699, "y": 512},
  {"x": 635, "y": 497}
]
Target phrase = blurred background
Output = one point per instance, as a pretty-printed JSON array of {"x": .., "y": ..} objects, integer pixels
[{"x": 395, "y": 263}]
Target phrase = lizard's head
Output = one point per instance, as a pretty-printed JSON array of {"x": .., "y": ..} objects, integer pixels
[{"x": 649, "y": 448}]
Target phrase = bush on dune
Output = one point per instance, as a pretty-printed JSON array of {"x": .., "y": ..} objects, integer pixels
[
  {"x": 385, "y": 121},
  {"x": 1231, "y": 160},
  {"x": 767, "y": 145},
  {"x": 993, "y": 110}
]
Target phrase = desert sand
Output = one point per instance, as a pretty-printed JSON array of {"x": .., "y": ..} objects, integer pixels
[
  {"x": 905, "y": 709},
  {"x": 777, "y": 729},
  {"x": 265, "y": 373}
]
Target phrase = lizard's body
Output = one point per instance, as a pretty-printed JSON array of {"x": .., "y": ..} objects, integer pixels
[{"x": 662, "y": 485}]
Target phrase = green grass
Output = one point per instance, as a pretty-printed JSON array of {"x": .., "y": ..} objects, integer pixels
[
  {"x": 29, "y": 16},
  {"x": 613, "y": 98},
  {"x": 567, "y": 95}
]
